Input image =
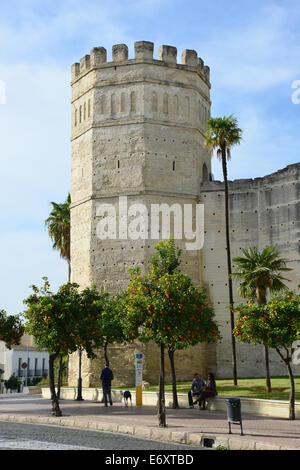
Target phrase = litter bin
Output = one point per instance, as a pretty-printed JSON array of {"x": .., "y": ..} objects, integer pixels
[{"x": 234, "y": 415}]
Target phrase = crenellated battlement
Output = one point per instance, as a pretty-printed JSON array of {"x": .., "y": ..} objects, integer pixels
[{"x": 143, "y": 52}]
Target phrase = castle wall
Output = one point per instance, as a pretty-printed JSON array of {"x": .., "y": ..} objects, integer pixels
[
  {"x": 263, "y": 211},
  {"x": 138, "y": 133}
]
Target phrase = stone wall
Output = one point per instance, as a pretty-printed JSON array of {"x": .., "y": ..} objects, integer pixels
[{"x": 263, "y": 211}]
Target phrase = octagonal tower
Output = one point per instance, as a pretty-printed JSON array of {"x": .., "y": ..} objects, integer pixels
[{"x": 137, "y": 138}]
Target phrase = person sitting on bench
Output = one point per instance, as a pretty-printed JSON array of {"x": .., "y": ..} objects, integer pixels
[
  {"x": 196, "y": 388},
  {"x": 208, "y": 390}
]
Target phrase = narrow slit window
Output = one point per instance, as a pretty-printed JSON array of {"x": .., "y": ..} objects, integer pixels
[
  {"x": 122, "y": 102},
  {"x": 173, "y": 166},
  {"x": 133, "y": 102}
]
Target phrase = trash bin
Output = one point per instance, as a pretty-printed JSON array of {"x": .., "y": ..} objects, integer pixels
[{"x": 234, "y": 415}]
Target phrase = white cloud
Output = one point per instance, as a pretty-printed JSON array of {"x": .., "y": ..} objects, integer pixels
[
  {"x": 256, "y": 56},
  {"x": 35, "y": 126}
]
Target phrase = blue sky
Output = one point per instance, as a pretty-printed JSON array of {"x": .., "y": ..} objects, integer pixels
[{"x": 252, "y": 47}]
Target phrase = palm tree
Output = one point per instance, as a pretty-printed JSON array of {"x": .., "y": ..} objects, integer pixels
[
  {"x": 58, "y": 224},
  {"x": 259, "y": 272},
  {"x": 221, "y": 135}
]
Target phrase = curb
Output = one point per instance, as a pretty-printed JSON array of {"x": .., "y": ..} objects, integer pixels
[{"x": 163, "y": 435}]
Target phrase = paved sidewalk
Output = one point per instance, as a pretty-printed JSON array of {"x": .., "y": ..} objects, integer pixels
[{"x": 185, "y": 426}]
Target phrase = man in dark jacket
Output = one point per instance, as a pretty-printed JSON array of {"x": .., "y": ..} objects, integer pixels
[
  {"x": 106, "y": 377},
  {"x": 196, "y": 389}
]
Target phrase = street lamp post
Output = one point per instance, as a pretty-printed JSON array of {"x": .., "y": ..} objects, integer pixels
[{"x": 79, "y": 391}]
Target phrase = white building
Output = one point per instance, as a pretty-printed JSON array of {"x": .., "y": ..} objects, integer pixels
[{"x": 11, "y": 360}]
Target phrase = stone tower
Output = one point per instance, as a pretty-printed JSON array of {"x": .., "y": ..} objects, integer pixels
[{"x": 137, "y": 138}]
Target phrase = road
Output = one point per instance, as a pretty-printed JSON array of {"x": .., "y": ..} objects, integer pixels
[{"x": 19, "y": 436}]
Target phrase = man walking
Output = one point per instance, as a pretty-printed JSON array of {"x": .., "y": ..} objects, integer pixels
[{"x": 106, "y": 377}]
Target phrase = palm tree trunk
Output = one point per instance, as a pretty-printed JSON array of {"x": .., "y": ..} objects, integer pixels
[
  {"x": 261, "y": 299},
  {"x": 161, "y": 404},
  {"x": 105, "y": 352},
  {"x": 224, "y": 165},
  {"x": 171, "y": 353},
  {"x": 69, "y": 270}
]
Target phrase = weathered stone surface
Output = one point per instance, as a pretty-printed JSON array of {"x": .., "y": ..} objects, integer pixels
[
  {"x": 194, "y": 439},
  {"x": 263, "y": 211},
  {"x": 161, "y": 434},
  {"x": 178, "y": 436},
  {"x": 143, "y": 50},
  {"x": 142, "y": 431}
]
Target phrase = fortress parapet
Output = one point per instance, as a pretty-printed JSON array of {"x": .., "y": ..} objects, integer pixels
[{"x": 143, "y": 51}]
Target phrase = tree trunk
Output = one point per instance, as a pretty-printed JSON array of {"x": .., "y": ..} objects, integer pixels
[
  {"x": 171, "y": 353},
  {"x": 69, "y": 270},
  {"x": 292, "y": 391},
  {"x": 224, "y": 165},
  {"x": 267, "y": 365},
  {"x": 287, "y": 361},
  {"x": 55, "y": 401},
  {"x": 161, "y": 404},
  {"x": 105, "y": 352},
  {"x": 60, "y": 373}
]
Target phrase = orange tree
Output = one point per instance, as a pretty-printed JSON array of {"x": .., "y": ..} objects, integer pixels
[
  {"x": 63, "y": 322},
  {"x": 167, "y": 260},
  {"x": 274, "y": 325},
  {"x": 11, "y": 329},
  {"x": 169, "y": 310}
]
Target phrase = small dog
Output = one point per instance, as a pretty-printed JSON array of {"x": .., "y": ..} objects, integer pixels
[{"x": 127, "y": 396}]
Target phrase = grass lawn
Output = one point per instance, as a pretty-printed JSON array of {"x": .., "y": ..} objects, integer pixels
[{"x": 250, "y": 388}]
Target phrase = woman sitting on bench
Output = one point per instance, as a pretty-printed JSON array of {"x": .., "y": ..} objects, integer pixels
[{"x": 208, "y": 390}]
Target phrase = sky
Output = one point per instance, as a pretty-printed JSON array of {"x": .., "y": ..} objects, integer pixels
[{"x": 251, "y": 46}]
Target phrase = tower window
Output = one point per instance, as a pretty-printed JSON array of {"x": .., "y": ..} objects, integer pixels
[
  {"x": 122, "y": 102},
  {"x": 204, "y": 172},
  {"x": 133, "y": 102},
  {"x": 173, "y": 166},
  {"x": 154, "y": 102},
  {"x": 165, "y": 103}
]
